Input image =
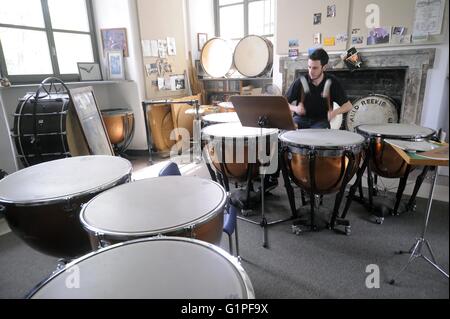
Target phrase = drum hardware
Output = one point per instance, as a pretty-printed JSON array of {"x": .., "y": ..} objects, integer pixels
[
  {"x": 197, "y": 142},
  {"x": 120, "y": 127}
]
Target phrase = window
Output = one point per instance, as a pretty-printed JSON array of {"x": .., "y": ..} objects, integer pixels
[
  {"x": 42, "y": 38},
  {"x": 238, "y": 18}
]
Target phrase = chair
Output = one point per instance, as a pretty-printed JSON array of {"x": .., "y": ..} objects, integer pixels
[{"x": 229, "y": 218}]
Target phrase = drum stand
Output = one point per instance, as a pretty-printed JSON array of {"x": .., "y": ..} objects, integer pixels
[
  {"x": 416, "y": 249},
  {"x": 372, "y": 179},
  {"x": 334, "y": 220}
]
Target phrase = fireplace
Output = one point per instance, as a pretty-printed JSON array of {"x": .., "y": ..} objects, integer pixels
[{"x": 399, "y": 74}]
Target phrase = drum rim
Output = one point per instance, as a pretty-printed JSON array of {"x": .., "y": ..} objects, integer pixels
[
  {"x": 243, "y": 276},
  {"x": 201, "y": 60},
  {"x": 207, "y": 137},
  {"x": 268, "y": 49},
  {"x": 318, "y": 147},
  {"x": 121, "y": 234},
  {"x": 73, "y": 196},
  {"x": 118, "y": 110},
  {"x": 346, "y": 120},
  {"x": 417, "y": 137}
]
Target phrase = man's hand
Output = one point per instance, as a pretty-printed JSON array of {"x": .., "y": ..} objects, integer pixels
[
  {"x": 331, "y": 115},
  {"x": 301, "y": 109}
]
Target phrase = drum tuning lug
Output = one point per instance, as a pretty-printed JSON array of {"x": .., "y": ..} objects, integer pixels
[
  {"x": 348, "y": 230},
  {"x": 296, "y": 230}
]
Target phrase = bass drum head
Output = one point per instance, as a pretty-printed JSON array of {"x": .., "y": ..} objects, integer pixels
[
  {"x": 158, "y": 268},
  {"x": 253, "y": 56},
  {"x": 336, "y": 123},
  {"x": 216, "y": 57},
  {"x": 372, "y": 109}
]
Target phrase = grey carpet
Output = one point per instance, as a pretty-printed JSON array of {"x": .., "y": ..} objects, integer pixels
[{"x": 312, "y": 265}]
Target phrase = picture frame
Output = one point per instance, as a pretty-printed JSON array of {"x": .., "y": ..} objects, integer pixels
[
  {"x": 90, "y": 119},
  {"x": 115, "y": 39},
  {"x": 201, "y": 40},
  {"x": 115, "y": 65},
  {"x": 89, "y": 71}
]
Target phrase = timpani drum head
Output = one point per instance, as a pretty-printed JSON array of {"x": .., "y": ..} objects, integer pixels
[
  {"x": 372, "y": 109},
  {"x": 236, "y": 130},
  {"x": 322, "y": 138},
  {"x": 253, "y": 56},
  {"x": 62, "y": 179},
  {"x": 227, "y": 117},
  {"x": 158, "y": 268},
  {"x": 396, "y": 131},
  {"x": 153, "y": 206},
  {"x": 216, "y": 57},
  {"x": 228, "y": 106}
]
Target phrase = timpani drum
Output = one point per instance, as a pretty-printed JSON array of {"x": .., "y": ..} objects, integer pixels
[
  {"x": 216, "y": 57},
  {"x": 253, "y": 56},
  {"x": 150, "y": 268},
  {"x": 220, "y": 118},
  {"x": 42, "y": 202},
  {"x": 147, "y": 208},
  {"x": 323, "y": 152},
  {"x": 119, "y": 124},
  {"x": 384, "y": 160},
  {"x": 232, "y": 148},
  {"x": 226, "y": 107}
]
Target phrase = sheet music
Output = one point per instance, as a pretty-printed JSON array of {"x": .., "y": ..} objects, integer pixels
[{"x": 428, "y": 18}]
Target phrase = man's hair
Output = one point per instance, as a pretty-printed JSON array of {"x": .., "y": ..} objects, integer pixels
[{"x": 319, "y": 55}]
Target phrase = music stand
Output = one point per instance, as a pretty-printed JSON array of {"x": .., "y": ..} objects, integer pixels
[{"x": 264, "y": 112}]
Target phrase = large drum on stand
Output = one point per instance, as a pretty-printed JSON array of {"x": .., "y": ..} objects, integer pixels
[
  {"x": 253, "y": 56},
  {"x": 147, "y": 208},
  {"x": 372, "y": 109},
  {"x": 235, "y": 150},
  {"x": 220, "y": 118},
  {"x": 323, "y": 152},
  {"x": 42, "y": 203},
  {"x": 119, "y": 124},
  {"x": 47, "y": 128},
  {"x": 216, "y": 57},
  {"x": 384, "y": 160},
  {"x": 156, "y": 268}
]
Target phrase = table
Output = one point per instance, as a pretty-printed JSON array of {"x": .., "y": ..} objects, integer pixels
[{"x": 415, "y": 159}]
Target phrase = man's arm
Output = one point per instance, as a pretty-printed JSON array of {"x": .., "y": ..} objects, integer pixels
[
  {"x": 346, "y": 107},
  {"x": 299, "y": 109}
]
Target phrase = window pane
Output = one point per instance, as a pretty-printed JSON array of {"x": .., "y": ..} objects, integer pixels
[
  {"x": 69, "y": 15},
  {"x": 26, "y": 52},
  {"x": 72, "y": 48},
  {"x": 22, "y": 12},
  {"x": 225, "y": 2},
  {"x": 232, "y": 22},
  {"x": 261, "y": 17}
]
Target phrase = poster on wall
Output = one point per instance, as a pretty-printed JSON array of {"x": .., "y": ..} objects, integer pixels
[
  {"x": 428, "y": 17},
  {"x": 331, "y": 11},
  {"x": 317, "y": 19},
  {"x": 171, "y": 46},
  {"x": 115, "y": 39},
  {"x": 379, "y": 35}
]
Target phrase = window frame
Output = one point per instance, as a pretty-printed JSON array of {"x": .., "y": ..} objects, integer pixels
[
  {"x": 246, "y": 3},
  {"x": 37, "y": 78}
]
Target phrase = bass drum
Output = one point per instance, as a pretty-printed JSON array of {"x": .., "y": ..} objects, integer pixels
[
  {"x": 372, "y": 109},
  {"x": 253, "y": 56},
  {"x": 47, "y": 129},
  {"x": 216, "y": 57}
]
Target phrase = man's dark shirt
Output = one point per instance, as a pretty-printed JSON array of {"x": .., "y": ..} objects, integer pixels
[{"x": 315, "y": 106}]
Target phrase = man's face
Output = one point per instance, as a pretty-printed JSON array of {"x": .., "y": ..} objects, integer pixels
[{"x": 315, "y": 69}]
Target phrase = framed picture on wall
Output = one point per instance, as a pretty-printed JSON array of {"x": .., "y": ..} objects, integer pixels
[
  {"x": 115, "y": 65},
  {"x": 115, "y": 39},
  {"x": 201, "y": 40}
]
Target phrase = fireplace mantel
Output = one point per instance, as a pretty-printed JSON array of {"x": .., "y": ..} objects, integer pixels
[{"x": 416, "y": 61}]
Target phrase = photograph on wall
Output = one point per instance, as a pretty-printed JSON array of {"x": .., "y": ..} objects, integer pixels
[
  {"x": 115, "y": 39},
  {"x": 317, "y": 19},
  {"x": 355, "y": 31},
  {"x": 379, "y": 35},
  {"x": 151, "y": 68},
  {"x": 317, "y": 38},
  {"x": 342, "y": 37},
  {"x": 177, "y": 82},
  {"x": 293, "y": 53},
  {"x": 171, "y": 46},
  {"x": 357, "y": 39},
  {"x": 330, "y": 41},
  {"x": 115, "y": 65},
  {"x": 162, "y": 49},
  {"x": 331, "y": 11},
  {"x": 293, "y": 43},
  {"x": 399, "y": 35}
]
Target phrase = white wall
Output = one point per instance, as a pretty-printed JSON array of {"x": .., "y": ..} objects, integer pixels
[
  {"x": 200, "y": 19},
  {"x": 123, "y": 14},
  {"x": 8, "y": 161}
]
